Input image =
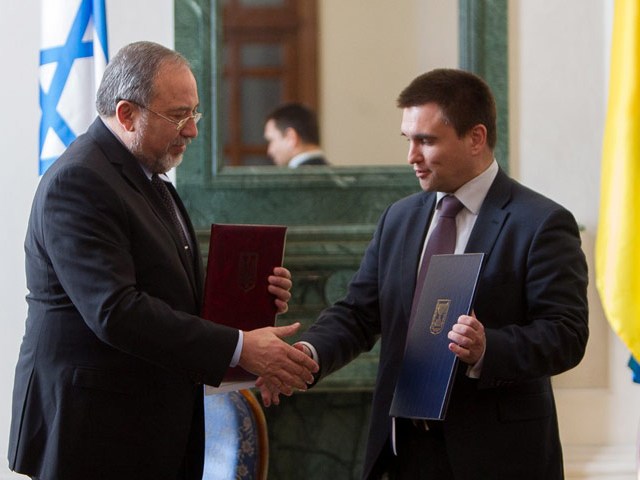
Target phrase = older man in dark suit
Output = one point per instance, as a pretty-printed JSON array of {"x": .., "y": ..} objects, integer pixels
[
  {"x": 109, "y": 379},
  {"x": 530, "y": 313}
]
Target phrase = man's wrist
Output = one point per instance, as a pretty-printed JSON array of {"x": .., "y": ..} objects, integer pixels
[{"x": 310, "y": 350}]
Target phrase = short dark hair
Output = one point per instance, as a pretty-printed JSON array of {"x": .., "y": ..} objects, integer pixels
[
  {"x": 302, "y": 119},
  {"x": 464, "y": 98},
  {"x": 130, "y": 75}
]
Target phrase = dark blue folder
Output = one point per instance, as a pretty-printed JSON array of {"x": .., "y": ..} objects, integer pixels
[{"x": 428, "y": 368}]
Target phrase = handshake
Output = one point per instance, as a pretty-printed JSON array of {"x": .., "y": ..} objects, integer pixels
[{"x": 281, "y": 368}]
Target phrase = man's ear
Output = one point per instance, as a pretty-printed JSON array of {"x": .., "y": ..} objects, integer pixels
[
  {"x": 291, "y": 137},
  {"x": 477, "y": 138},
  {"x": 126, "y": 114}
]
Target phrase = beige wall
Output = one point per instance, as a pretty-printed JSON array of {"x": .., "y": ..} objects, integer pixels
[
  {"x": 369, "y": 51},
  {"x": 558, "y": 81}
]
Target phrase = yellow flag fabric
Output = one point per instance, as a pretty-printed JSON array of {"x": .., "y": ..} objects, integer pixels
[{"x": 618, "y": 238}]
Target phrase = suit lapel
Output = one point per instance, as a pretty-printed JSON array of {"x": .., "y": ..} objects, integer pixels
[
  {"x": 489, "y": 223},
  {"x": 417, "y": 225},
  {"x": 491, "y": 218},
  {"x": 133, "y": 174},
  {"x": 123, "y": 159},
  {"x": 191, "y": 263},
  {"x": 194, "y": 262}
]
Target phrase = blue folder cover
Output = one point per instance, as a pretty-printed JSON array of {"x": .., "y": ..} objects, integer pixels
[{"x": 428, "y": 368}]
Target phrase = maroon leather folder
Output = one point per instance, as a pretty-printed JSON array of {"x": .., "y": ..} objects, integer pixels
[{"x": 240, "y": 260}]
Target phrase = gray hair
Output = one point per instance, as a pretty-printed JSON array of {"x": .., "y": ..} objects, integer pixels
[{"x": 130, "y": 75}]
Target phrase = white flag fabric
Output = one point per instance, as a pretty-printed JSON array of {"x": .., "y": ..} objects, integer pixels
[{"x": 73, "y": 57}]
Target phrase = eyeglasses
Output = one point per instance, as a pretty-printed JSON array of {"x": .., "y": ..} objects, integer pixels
[{"x": 180, "y": 124}]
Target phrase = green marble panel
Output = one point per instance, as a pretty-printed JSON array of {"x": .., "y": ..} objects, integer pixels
[
  {"x": 195, "y": 38},
  {"x": 318, "y": 196},
  {"x": 318, "y": 436},
  {"x": 484, "y": 50}
]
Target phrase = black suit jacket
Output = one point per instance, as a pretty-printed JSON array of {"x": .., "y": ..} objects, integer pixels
[
  {"x": 319, "y": 159},
  {"x": 532, "y": 301},
  {"x": 108, "y": 381}
]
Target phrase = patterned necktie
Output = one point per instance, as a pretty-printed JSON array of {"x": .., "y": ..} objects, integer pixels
[
  {"x": 167, "y": 202},
  {"x": 442, "y": 240}
]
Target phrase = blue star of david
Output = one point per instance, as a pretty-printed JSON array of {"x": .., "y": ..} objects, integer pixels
[{"x": 74, "y": 48}]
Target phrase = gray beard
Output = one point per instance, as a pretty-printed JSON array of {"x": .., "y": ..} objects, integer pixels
[{"x": 155, "y": 165}]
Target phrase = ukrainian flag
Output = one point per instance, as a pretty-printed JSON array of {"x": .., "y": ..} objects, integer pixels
[{"x": 618, "y": 238}]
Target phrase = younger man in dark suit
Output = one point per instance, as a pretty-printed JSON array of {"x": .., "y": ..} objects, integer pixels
[
  {"x": 293, "y": 136},
  {"x": 530, "y": 313}
]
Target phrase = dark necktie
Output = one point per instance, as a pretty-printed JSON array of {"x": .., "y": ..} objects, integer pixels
[
  {"x": 442, "y": 240},
  {"x": 167, "y": 202}
]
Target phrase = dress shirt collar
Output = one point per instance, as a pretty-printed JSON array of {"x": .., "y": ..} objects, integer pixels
[
  {"x": 472, "y": 193},
  {"x": 302, "y": 157},
  {"x": 147, "y": 172}
]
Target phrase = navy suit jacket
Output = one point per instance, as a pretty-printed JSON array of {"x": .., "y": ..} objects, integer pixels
[
  {"x": 109, "y": 378},
  {"x": 532, "y": 301}
]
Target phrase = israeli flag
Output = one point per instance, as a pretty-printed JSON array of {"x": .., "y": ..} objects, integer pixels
[{"x": 72, "y": 60}]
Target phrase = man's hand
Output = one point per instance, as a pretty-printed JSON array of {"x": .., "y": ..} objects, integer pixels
[
  {"x": 270, "y": 397},
  {"x": 281, "y": 367},
  {"x": 280, "y": 286},
  {"x": 468, "y": 339}
]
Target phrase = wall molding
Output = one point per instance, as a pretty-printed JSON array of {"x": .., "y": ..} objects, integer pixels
[{"x": 600, "y": 462}]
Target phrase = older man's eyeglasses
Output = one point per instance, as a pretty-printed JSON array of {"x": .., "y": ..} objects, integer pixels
[{"x": 180, "y": 124}]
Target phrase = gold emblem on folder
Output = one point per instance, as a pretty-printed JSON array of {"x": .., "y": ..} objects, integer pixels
[
  {"x": 247, "y": 270},
  {"x": 439, "y": 315}
]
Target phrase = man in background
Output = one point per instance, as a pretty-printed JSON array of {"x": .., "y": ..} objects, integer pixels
[
  {"x": 293, "y": 137},
  {"x": 529, "y": 319},
  {"x": 109, "y": 380}
]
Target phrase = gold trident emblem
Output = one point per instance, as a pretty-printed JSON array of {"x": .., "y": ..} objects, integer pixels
[
  {"x": 247, "y": 270},
  {"x": 439, "y": 315}
]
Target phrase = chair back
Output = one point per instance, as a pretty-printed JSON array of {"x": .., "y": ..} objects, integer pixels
[{"x": 236, "y": 439}]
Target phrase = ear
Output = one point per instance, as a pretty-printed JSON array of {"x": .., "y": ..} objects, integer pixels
[
  {"x": 291, "y": 136},
  {"x": 126, "y": 114},
  {"x": 477, "y": 138}
]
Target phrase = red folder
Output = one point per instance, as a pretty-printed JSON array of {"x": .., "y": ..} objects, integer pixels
[{"x": 240, "y": 260}]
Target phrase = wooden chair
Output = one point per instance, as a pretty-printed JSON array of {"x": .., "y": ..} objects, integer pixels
[{"x": 236, "y": 440}]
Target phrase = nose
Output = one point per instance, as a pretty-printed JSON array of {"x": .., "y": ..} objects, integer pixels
[
  {"x": 414, "y": 155},
  {"x": 190, "y": 129}
]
